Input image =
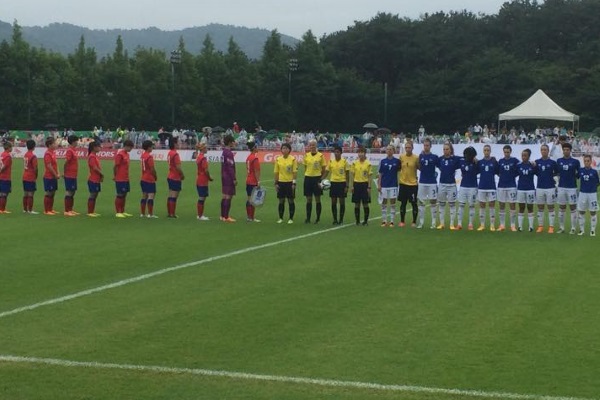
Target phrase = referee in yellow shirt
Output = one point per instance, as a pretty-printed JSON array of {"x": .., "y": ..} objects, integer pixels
[
  {"x": 314, "y": 171},
  {"x": 339, "y": 175},
  {"x": 361, "y": 173},
  {"x": 286, "y": 169},
  {"x": 409, "y": 163}
]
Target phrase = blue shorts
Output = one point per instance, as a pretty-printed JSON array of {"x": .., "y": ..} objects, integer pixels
[
  {"x": 148, "y": 187},
  {"x": 249, "y": 189},
  {"x": 174, "y": 185},
  {"x": 29, "y": 186},
  {"x": 50, "y": 184},
  {"x": 122, "y": 187},
  {"x": 202, "y": 191},
  {"x": 94, "y": 187},
  {"x": 5, "y": 186},
  {"x": 70, "y": 184}
]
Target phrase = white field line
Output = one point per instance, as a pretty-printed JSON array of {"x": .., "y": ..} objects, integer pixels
[
  {"x": 284, "y": 379},
  {"x": 163, "y": 271}
]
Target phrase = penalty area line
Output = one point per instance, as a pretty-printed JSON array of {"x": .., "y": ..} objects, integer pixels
[
  {"x": 283, "y": 379},
  {"x": 163, "y": 271}
]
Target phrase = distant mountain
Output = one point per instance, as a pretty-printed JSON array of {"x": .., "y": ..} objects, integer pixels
[{"x": 64, "y": 38}]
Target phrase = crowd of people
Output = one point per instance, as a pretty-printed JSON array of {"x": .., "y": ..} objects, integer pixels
[{"x": 397, "y": 179}]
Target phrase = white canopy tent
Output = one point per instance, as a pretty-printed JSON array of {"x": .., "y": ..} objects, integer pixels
[{"x": 539, "y": 106}]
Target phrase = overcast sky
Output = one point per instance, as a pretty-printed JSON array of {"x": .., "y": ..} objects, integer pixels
[{"x": 288, "y": 17}]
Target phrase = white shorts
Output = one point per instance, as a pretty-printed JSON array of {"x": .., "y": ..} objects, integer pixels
[
  {"x": 566, "y": 196},
  {"x": 526, "y": 196},
  {"x": 507, "y": 195},
  {"x": 389, "y": 193},
  {"x": 485, "y": 196},
  {"x": 467, "y": 195},
  {"x": 427, "y": 191},
  {"x": 447, "y": 192},
  {"x": 587, "y": 202},
  {"x": 545, "y": 196}
]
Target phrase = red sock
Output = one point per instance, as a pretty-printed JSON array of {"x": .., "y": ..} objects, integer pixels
[
  {"x": 151, "y": 207},
  {"x": 253, "y": 211},
  {"x": 30, "y": 203},
  {"x": 91, "y": 206},
  {"x": 122, "y": 203},
  {"x": 143, "y": 206},
  {"x": 249, "y": 211},
  {"x": 51, "y": 203},
  {"x": 2, "y": 203},
  {"x": 200, "y": 209},
  {"x": 25, "y": 203}
]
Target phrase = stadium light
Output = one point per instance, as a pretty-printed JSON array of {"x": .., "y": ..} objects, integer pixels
[{"x": 292, "y": 67}]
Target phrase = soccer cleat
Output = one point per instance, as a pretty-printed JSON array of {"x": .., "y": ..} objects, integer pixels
[
  {"x": 69, "y": 214},
  {"x": 221, "y": 219},
  {"x": 492, "y": 228},
  {"x": 441, "y": 226},
  {"x": 561, "y": 230},
  {"x": 335, "y": 223},
  {"x": 142, "y": 216},
  {"x": 5, "y": 212},
  {"x": 501, "y": 228},
  {"x": 413, "y": 225},
  {"x": 401, "y": 224},
  {"x": 290, "y": 221},
  {"x": 550, "y": 229},
  {"x": 93, "y": 215},
  {"x": 127, "y": 215},
  {"x": 255, "y": 220},
  {"x": 172, "y": 216},
  {"x": 383, "y": 224},
  {"x": 365, "y": 223},
  {"x": 279, "y": 221},
  {"x": 521, "y": 229},
  {"x": 481, "y": 228},
  {"x": 317, "y": 221},
  {"x": 203, "y": 218},
  {"x": 391, "y": 225},
  {"x": 229, "y": 219},
  {"x": 307, "y": 221},
  {"x": 48, "y": 213},
  {"x": 33, "y": 212},
  {"x": 581, "y": 233},
  {"x": 572, "y": 231},
  {"x": 420, "y": 226},
  {"x": 433, "y": 227},
  {"x": 592, "y": 233},
  {"x": 470, "y": 227},
  {"x": 152, "y": 216},
  {"x": 458, "y": 227},
  {"x": 120, "y": 215},
  {"x": 530, "y": 229},
  {"x": 514, "y": 229},
  {"x": 540, "y": 229},
  {"x": 74, "y": 212}
]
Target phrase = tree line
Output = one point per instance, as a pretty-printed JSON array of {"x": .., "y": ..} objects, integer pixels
[{"x": 443, "y": 70}]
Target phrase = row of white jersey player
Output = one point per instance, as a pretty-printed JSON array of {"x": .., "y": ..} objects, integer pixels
[{"x": 516, "y": 185}]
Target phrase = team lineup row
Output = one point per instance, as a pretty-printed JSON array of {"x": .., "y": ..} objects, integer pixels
[{"x": 397, "y": 179}]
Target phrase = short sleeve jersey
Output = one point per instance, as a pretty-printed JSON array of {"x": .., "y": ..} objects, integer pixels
[
  {"x": 469, "y": 173},
  {"x": 588, "y": 180},
  {"x": 488, "y": 168},
  {"x": 50, "y": 160},
  {"x": 252, "y": 167},
  {"x": 174, "y": 161},
  {"x": 314, "y": 164},
  {"x": 408, "y": 169},
  {"x": 6, "y": 164},
  {"x": 526, "y": 173},
  {"x": 567, "y": 172},
  {"x": 507, "y": 171},
  {"x": 122, "y": 164},
  {"x": 338, "y": 169},
  {"x": 361, "y": 171},
  {"x": 202, "y": 170},
  {"x": 388, "y": 169},
  {"x": 546, "y": 169},
  {"x": 30, "y": 163},
  {"x": 71, "y": 164},
  {"x": 448, "y": 167},
  {"x": 147, "y": 167},
  {"x": 94, "y": 162},
  {"x": 227, "y": 167},
  {"x": 286, "y": 167},
  {"x": 427, "y": 165}
]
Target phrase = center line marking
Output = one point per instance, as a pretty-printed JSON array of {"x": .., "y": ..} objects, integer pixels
[
  {"x": 286, "y": 379},
  {"x": 163, "y": 271}
]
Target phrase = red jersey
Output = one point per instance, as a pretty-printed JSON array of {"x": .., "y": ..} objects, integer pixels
[
  {"x": 202, "y": 163},
  {"x": 6, "y": 166},
  {"x": 71, "y": 164},
  {"x": 147, "y": 167},
  {"x": 94, "y": 162},
  {"x": 50, "y": 159},
  {"x": 30, "y": 166},
  {"x": 174, "y": 161},
  {"x": 252, "y": 167},
  {"x": 122, "y": 166}
]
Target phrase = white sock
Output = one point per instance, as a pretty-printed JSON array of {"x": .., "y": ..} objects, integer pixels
[
  {"x": 471, "y": 213},
  {"x": 393, "y": 214},
  {"x": 561, "y": 218},
  {"x": 530, "y": 219},
  {"x": 573, "y": 219},
  {"x": 513, "y": 217},
  {"x": 461, "y": 211},
  {"x": 482, "y": 216},
  {"x": 502, "y": 216},
  {"x": 540, "y": 218},
  {"x": 421, "y": 214},
  {"x": 384, "y": 212},
  {"x": 453, "y": 213},
  {"x": 443, "y": 214},
  {"x": 582, "y": 222},
  {"x": 434, "y": 214},
  {"x": 552, "y": 218},
  {"x": 520, "y": 220},
  {"x": 593, "y": 221},
  {"x": 492, "y": 216}
]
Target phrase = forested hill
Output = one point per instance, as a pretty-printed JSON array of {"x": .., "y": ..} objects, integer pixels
[{"x": 64, "y": 38}]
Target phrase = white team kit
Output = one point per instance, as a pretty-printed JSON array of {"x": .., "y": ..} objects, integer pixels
[{"x": 428, "y": 191}]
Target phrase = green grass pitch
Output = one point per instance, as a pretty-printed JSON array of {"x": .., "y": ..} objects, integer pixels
[{"x": 493, "y": 315}]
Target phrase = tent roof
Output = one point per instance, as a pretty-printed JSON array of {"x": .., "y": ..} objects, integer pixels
[{"x": 539, "y": 106}]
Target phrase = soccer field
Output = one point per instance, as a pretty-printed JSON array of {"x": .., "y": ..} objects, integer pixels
[{"x": 107, "y": 308}]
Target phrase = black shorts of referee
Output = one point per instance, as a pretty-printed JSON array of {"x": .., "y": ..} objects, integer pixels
[
  {"x": 286, "y": 190},
  {"x": 361, "y": 193},
  {"x": 311, "y": 186},
  {"x": 338, "y": 190},
  {"x": 407, "y": 193}
]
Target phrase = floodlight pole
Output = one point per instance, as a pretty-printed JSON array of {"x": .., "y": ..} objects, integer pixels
[
  {"x": 175, "y": 59},
  {"x": 292, "y": 67}
]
